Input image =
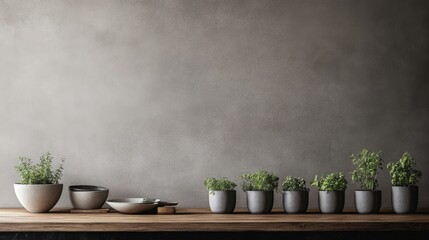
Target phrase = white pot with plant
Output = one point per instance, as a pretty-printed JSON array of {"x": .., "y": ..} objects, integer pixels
[
  {"x": 404, "y": 178},
  {"x": 367, "y": 198},
  {"x": 295, "y": 195},
  {"x": 39, "y": 189},
  {"x": 222, "y": 196},
  {"x": 332, "y": 189},
  {"x": 259, "y": 188}
]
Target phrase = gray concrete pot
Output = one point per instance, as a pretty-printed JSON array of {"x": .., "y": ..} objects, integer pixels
[
  {"x": 368, "y": 201},
  {"x": 222, "y": 201},
  {"x": 38, "y": 198},
  {"x": 405, "y": 199},
  {"x": 260, "y": 201},
  {"x": 295, "y": 201},
  {"x": 331, "y": 201}
]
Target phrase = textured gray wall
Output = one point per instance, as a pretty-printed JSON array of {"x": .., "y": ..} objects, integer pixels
[{"x": 148, "y": 98}]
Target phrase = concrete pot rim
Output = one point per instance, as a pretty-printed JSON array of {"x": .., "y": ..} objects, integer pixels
[
  {"x": 332, "y": 191},
  {"x": 87, "y": 188},
  {"x": 405, "y": 186},
  {"x": 260, "y": 191},
  {"x": 368, "y": 190},
  {"x": 222, "y": 190},
  {"x": 50, "y": 184},
  {"x": 296, "y": 191}
]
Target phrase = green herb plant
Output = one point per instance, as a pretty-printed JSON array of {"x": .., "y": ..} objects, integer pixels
[
  {"x": 259, "y": 181},
  {"x": 403, "y": 173},
  {"x": 367, "y": 165},
  {"x": 330, "y": 182},
  {"x": 223, "y": 184},
  {"x": 294, "y": 184},
  {"x": 41, "y": 173}
]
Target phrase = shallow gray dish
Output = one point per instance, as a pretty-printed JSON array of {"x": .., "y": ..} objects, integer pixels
[
  {"x": 88, "y": 196},
  {"x": 160, "y": 202},
  {"x": 132, "y": 205}
]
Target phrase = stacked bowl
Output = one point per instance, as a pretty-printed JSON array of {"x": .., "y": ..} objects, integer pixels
[{"x": 88, "y": 196}]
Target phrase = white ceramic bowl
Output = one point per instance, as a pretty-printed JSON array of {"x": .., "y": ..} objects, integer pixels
[
  {"x": 132, "y": 205},
  {"x": 38, "y": 198}
]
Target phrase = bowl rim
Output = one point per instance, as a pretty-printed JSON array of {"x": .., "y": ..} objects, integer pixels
[
  {"x": 87, "y": 188},
  {"x": 132, "y": 201}
]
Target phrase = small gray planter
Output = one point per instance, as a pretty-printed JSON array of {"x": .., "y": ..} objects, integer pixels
[
  {"x": 295, "y": 201},
  {"x": 331, "y": 201},
  {"x": 367, "y": 202},
  {"x": 405, "y": 199},
  {"x": 222, "y": 201},
  {"x": 38, "y": 198},
  {"x": 260, "y": 201}
]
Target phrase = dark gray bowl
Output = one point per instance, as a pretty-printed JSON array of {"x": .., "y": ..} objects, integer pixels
[{"x": 88, "y": 196}]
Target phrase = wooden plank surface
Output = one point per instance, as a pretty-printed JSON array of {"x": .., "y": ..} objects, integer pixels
[{"x": 18, "y": 220}]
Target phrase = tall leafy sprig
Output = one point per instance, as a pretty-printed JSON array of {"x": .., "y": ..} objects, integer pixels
[
  {"x": 41, "y": 173},
  {"x": 403, "y": 173},
  {"x": 294, "y": 184},
  {"x": 259, "y": 181},
  {"x": 367, "y": 165},
  {"x": 330, "y": 182}
]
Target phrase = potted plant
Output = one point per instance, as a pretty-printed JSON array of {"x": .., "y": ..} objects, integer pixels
[
  {"x": 259, "y": 188},
  {"x": 332, "y": 189},
  {"x": 221, "y": 195},
  {"x": 405, "y": 192},
  {"x": 39, "y": 189},
  {"x": 295, "y": 195},
  {"x": 367, "y": 198}
]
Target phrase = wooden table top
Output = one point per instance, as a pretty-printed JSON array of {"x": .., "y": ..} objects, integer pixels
[{"x": 196, "y": 220}]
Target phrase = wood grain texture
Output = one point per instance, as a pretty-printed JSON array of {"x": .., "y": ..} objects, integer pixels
[
  {"x": 101, "y": 210},
  {"x": 201, "y": 220},
  {"x": 166, "y": 210}
]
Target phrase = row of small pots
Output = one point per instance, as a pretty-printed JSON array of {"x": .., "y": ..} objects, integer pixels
[{"x": 404, "y": 200}]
